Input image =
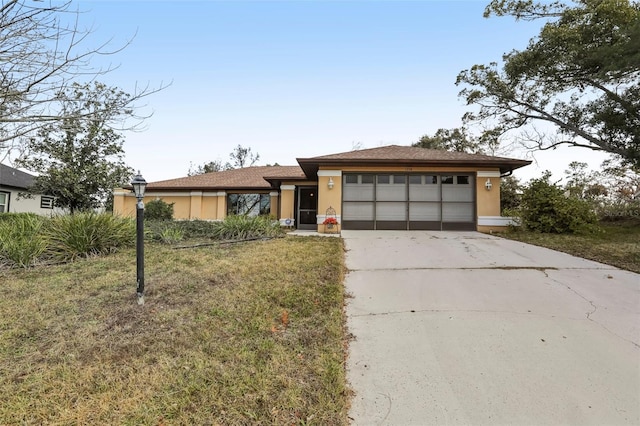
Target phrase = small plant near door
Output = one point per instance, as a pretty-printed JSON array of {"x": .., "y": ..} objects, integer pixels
[{"x": 330, "y": 222}]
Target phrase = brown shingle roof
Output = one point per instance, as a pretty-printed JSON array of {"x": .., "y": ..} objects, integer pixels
[
  {"x": 244, "y": 178},
  {"x": 405, "y": 155}
]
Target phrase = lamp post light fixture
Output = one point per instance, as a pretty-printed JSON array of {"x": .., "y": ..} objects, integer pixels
[
  {"x": 139, "y": 185},
  {"x": 488, "y": 184}
]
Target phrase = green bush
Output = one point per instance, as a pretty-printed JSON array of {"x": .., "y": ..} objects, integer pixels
[
  {"x": 21, "y": 241},
  {"x": 8, "y": 217},
  {"x": 243, "y": 227},
  {"x": 158, "y": 210},
  {"x": 87, "y": 234},
  {"x": 545, "y": 208},
  {"x": 197, "y": 228},
  {"x": 171, "y": 235}
]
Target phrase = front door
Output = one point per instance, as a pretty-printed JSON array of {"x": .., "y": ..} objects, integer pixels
[{"x": 307, "y": 207}]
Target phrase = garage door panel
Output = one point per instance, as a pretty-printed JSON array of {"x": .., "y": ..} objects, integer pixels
[
  {"x": 457, "y": 193},
  {"x": 424, "y": 211},
  {"x": 391, "y": 225},
  {"x": 362, "y": 192},
  {"x": 358, "y": 211},
  {"x": 458, "y": 212},
  {"x": 391, "y": 211},
  {"x": 391, "y": 193},
  {"x": 424, "y": 193}
]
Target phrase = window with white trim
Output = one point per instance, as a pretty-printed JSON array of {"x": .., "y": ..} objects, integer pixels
[{"x": 4, "y": 202}]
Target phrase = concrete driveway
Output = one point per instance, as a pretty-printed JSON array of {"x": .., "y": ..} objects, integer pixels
[{"x": 467, "y": 328}]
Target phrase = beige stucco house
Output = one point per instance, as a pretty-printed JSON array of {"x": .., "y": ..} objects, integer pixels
[{"x": 391, "y": 187}]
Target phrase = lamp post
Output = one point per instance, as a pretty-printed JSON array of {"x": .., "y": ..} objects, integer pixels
[{"x": 139, "y": 185}]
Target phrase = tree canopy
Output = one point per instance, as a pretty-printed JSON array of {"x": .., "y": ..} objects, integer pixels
[
  {"x": 460, "y": 140},
  {"x": 580, "y": 77},
  {"x": 80, "y": 158},
  {"x": 240, "y": 157}
]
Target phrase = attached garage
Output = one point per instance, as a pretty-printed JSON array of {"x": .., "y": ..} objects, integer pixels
[{"x": 416, "y": 201}]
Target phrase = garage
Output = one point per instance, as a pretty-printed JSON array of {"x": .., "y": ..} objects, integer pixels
[{"x": 413, "y": 201}]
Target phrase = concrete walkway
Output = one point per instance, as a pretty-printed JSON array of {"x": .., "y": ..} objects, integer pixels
[{"x": 467, "y": 328}]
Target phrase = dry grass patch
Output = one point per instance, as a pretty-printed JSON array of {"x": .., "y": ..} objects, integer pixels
[
  {"x": 616, "y": 244},
  {"x": 249, "y": 334}
]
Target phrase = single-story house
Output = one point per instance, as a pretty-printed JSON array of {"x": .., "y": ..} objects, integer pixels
[
  {"x": 12, "y": 183},
  {"x": 390, "y": 187}
]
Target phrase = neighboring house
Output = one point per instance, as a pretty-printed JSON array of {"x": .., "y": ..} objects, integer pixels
[
  {"x": 391, "y": 187},
  {"x": 12, "y": 183}
]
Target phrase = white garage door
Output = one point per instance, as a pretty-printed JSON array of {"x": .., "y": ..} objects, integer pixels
[{"x": 408, "y": 201}]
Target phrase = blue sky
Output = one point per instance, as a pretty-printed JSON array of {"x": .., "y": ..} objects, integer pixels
[{"x": 298, "y": 78}]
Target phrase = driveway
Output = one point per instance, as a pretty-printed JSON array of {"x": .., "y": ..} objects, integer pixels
[{"x": 468, "y": 328}]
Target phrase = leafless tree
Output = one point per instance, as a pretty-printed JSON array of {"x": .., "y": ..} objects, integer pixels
[{"x": 43, "y": 50}]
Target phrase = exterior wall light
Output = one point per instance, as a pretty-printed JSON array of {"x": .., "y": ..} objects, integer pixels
[
  {"x": 488, "y": 184},
  {"x": 330, "y": 184},
  {"x": 139, "y": 185}
]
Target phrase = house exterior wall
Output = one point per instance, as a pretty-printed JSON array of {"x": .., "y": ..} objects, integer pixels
[
  {"x": 19, "y": 204},
  {"x": 329, "y": 197},
  {"x": 190, "y": 205},
  {"x": 488, "y": 203},
  {"x": 287, "y": 201}
]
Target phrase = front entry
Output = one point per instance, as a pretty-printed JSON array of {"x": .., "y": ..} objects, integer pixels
[{"x": 307, "y": 207}]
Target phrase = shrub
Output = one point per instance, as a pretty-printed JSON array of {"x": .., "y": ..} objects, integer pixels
[
  {"x": 87, "y": 234},
  {"x": 21, "y": 241},
  {"x": 197, "y": 228},
  {"x": 171, "y": 235},
  {"x": 243, "y": 227},
  {"x": 545, "y": 208},
  {"x": 158, "y": 210},
  {"x": 8, "y": 217}
]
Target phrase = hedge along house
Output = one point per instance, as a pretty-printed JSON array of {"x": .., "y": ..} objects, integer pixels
[{"x": 391, "y": 187}]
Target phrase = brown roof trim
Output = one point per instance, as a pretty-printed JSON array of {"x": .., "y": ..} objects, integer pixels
[
  {"x": 408, "y": 156},
  {"x": 245, "y": 179}
]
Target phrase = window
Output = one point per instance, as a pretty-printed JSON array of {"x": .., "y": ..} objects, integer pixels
[
  {"x": 415, "y": 179},
  {"x": 384, "y": 179},
  {"x": 462, "y": 180},
  {"x": 46, "y": 202},
  {"x": 4, "y": 202},
  {"x": 248, "y": 204},
  {"x": 398, "y": 179},
  {"x": 447, "y": 180},
  {"x": 367, "y": 178},
  {"x": 350, "y": 178}
]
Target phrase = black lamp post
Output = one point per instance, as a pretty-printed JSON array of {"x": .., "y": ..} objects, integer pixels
[{"x": 139, "y": 185}]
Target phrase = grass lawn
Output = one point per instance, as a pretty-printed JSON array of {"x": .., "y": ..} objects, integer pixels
[
  {"x": 245, "y": 334},
  {"x": 618, "y": 244}
]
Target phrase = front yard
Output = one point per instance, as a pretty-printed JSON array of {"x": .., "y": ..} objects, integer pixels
[
  {"x": 246, "y": 333},
  {"x": 616, "y": 244}
]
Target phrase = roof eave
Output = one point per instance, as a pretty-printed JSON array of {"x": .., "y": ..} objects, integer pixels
[{"x": 310, "y": 165}]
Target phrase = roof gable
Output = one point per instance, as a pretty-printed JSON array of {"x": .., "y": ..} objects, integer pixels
[{"x": 15, "y": 178}]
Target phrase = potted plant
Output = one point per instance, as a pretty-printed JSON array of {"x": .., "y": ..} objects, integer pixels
[{"x": 330, "y": 222}]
